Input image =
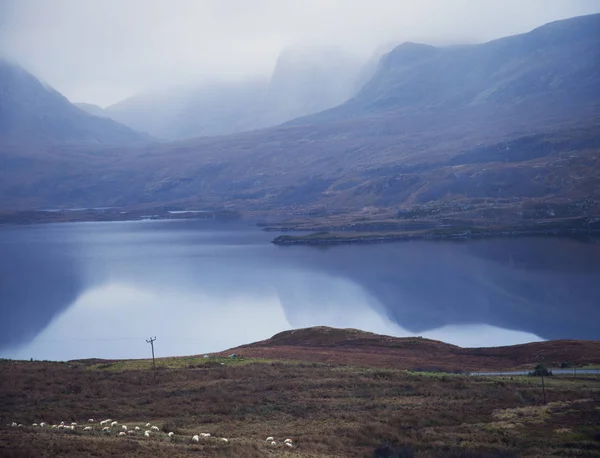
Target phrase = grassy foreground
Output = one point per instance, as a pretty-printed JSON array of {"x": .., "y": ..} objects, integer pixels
[{"x": 329, "y": 410}]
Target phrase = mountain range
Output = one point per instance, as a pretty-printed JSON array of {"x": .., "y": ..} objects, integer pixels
[
  {"x": 34, "y": 113},
  {"x": 304, "y": 81},
  {"x": 496, "y": 127}
]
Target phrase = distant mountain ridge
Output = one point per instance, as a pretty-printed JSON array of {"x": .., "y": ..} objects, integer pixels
[
  {"x": 31, "y": 112},
  {"x": 483, "y": 131},
  {"x": 304, "y": 81}
]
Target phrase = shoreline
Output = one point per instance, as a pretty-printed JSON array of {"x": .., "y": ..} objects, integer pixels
[
  {"x": 31, "y": 217},
  {"x": 577, "y": 227}
]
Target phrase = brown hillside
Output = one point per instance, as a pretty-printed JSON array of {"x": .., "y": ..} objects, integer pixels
[{"x": 355, "y": 347}]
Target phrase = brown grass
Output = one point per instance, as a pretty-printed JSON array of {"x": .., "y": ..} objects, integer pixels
[
  {"x": 349, "y": 346},
  {"x": 327, "y": 409}
]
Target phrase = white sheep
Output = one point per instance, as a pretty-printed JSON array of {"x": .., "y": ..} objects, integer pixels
[
  {"x": 147, "y": 433},
  {"x": 87, "y": 428},
  {"x": 103, "y": 422},
  {"x": 204, "y": 434},
  {"x": 171, "y": 434},
  {"x": 273, "y": 443},
  {"x": 14, "y": 425},
  {"x": 54, "y": 426},
  {"x": 91, "y": 420},
  {"x": 287, "y": 441},
  {"x": 72, "y": 427},
  {"x": 124, "y": 427},
  {"x": 269, "y": 439},
  {"x": 154, "y": 428},
  {"x": 195, "y": 438},
  {"x": 224, "y": 440},
  {"x": 73, "y": 424},
  {"x": 114, "y": 423},
  {"x": 122, "y": 434},
  {"x": 147, "y": 425},
  {"x": 289, "y": 444},
  {"x": 34, "y": 424},
  {"x": 43, "y": 425},
  {"x": 137, "y": 428}
]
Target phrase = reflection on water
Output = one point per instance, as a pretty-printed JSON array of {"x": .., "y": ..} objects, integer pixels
[{"x": 100, "y": 289}]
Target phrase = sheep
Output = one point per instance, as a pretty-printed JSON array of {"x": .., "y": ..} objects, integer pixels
[
  {"x": 147, "y": 425},
  {"x": 124, "y": 427},
  {"x": 171, "y": 434},
  {"x": 289, "y": 444},
  {"x": 195, "y": 438},
  {"x": 72, "y": 427},
  {"x": 114, "y": 423},
  {"x": 273, "y": 443},
  {"x": 54, "y": 426},
  {"x": 91, "y": 420},
  {"x": 224, "y": 440},
  {"x": 154, "y": 428},
  {"x": 287, "y": 441},
  {"x": 204, "y": 434},
  {"x": 147, "y": 433},
  {"x": 103, "y": 422},
  {"x": 122, "y": 434},
  {"x": 34, "y": 424},
  {"x": 87, "y": 428},
  {"x": 73, "y": 424},
  {"x": 270, "y": 439},
  {"x": 14, "y": 425},
  {"x": 137, "y": 428},
  {"x": 42, "y": 425},
  {"x": 20, "y": 425},
  {"x": 61, "y": 426},
  {"x": 106, "y": 429}
]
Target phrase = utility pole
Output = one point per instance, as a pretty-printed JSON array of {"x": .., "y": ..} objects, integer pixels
[{"x": 151, "y": 342}]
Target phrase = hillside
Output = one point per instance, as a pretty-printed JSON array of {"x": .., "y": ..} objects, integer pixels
[
  {"x": 32, "y": 113},
  {"x": 492, "y": 132},
  {"x": 304, "y": 81},
  {"x": 92, "y": 109},
  {"x": 351, "y": 346},
  {"x": 332, "y": 408}
]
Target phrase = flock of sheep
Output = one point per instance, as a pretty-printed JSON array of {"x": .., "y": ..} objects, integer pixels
[{"x": 125, "y": 431}]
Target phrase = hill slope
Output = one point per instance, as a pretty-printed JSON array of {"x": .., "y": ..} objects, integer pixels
[
  {"x": 485, "y": 130},
  {"x": 352, "y": 346},
  {"x": 304, "y": 81},
  {"x": 34, "y": 113}
]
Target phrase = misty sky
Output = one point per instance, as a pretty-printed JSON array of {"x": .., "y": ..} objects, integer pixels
[{"x": 101, "y": 51}]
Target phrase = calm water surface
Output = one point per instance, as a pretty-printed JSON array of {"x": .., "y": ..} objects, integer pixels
[{"x": 84, "y": 290}]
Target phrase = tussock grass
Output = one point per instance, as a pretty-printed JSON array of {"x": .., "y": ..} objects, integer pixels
[{"x": 327, "y": 409}]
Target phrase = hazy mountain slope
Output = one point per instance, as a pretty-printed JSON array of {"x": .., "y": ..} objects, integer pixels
[
  {"x": 32, "y": 112},
  {"x": 495, "y": 126},
  {"x": 92, "y": 109},
  {"x": 307, "y": 81},
  {"x": 219, "y": 109},
  {"x": 560, "y": 60},
  {"x": 304, "y": 81}
]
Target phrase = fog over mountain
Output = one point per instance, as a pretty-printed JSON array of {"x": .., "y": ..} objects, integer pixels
[
  {"x": 104, "y": 51},
  {"x": 305, "y": 80}
]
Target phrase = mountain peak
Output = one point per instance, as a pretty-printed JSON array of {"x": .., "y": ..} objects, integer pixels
[{"x": 34, "y": 112}]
